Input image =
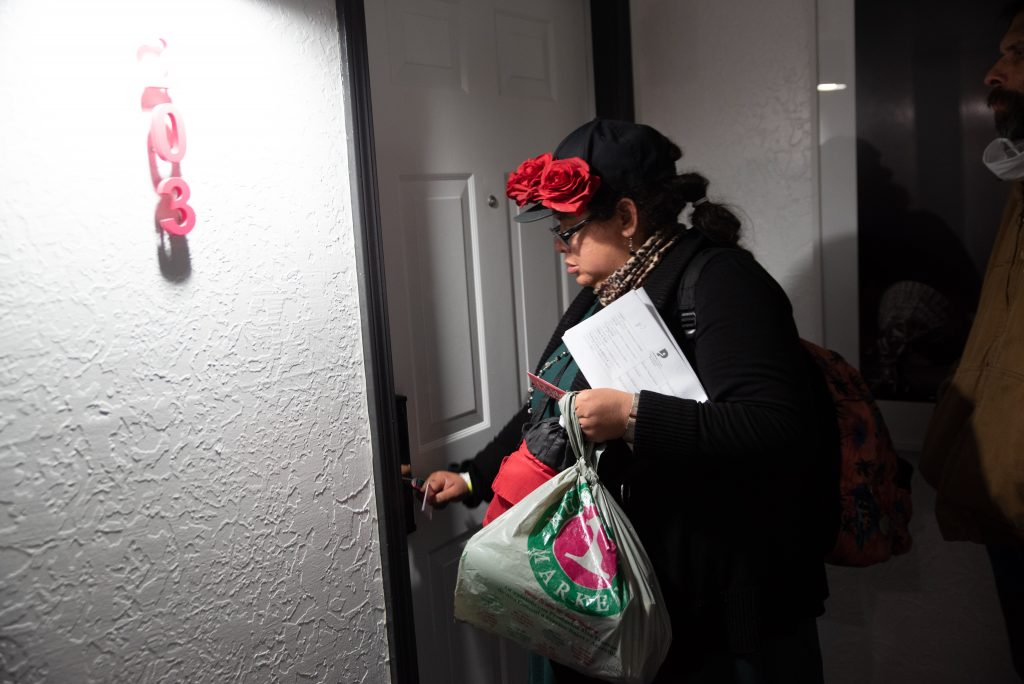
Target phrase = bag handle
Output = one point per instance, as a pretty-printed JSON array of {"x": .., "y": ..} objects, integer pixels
[{"x": 586, "y": 451}]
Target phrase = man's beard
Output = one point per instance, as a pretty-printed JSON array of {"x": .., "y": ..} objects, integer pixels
[{"x": 1010, "y": 117}]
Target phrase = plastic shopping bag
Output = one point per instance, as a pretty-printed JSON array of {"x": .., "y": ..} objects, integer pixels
[{"x": 563, "y": 573}]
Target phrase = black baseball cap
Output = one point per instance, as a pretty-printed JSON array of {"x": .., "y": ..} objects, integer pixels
[{"x": 625, "y": 155}]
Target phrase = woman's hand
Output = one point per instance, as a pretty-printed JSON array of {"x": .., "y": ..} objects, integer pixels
[
  {"x": 442, "y": 487},
  {"x": 603, "y": 413}
]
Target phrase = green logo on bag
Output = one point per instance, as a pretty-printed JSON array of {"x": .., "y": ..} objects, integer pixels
[{"x": 575, "y": 558}]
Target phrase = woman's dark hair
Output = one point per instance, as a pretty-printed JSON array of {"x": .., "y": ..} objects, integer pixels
[{"x": 660, "y": 203}]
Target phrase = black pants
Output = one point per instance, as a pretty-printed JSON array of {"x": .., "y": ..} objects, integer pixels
[{"x": 1008, "y": 569}]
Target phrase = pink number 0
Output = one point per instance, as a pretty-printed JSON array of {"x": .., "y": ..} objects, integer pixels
[
  {"x": 168, "y": 141},
  {"x": 177, "y": 190}
]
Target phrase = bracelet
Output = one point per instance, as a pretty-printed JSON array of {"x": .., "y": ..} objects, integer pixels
[
  {"x": 469, "y": 481},
  {"x": 630, "y": 432}
]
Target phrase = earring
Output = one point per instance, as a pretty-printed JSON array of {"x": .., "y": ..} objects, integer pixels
[{"x": 632, "y": 252}]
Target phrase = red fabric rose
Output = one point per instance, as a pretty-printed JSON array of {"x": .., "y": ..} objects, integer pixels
[
  {"x": 522, "y": 185},
  {"x": 567, "y": 186}
]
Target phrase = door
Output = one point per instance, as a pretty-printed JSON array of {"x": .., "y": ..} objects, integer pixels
[{"x": 462, "y": 93}]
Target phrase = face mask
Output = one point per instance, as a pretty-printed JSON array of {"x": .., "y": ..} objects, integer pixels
[{"x": 1005, "y": 158}]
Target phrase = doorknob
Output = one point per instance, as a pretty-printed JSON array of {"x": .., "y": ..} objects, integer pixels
[{"x": 492, "y": 202}]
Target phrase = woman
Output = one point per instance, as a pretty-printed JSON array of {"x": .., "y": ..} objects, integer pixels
[{"x": 727, "y": 496}]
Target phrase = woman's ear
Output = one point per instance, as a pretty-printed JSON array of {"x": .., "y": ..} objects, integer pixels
[{"x": 628, "y": 216}]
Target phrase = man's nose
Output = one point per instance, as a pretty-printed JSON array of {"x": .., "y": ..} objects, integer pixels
[
  {"x": 996, "y": 76},
  {"x": 560, "y": 246}
]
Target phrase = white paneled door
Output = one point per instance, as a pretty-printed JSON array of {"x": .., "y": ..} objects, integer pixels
[{"x": 462, "y": 92}]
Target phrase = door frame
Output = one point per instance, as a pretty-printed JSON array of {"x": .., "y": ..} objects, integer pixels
[
  {"x": 613, "y": 94},
  {"x": 380, "y": 389}
]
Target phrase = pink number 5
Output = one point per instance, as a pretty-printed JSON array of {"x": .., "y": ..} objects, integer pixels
[{"x": 178, "y": 192}]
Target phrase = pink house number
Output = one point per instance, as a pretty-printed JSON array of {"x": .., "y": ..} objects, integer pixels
[{"x": 168, "y": 141}]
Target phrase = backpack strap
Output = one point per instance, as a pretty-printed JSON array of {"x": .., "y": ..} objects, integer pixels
[{"x": 686, "y": 300}]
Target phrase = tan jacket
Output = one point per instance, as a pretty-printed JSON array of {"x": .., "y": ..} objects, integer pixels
[{"x": 974, "y": 450}]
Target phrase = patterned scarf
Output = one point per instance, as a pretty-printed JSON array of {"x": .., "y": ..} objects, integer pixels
[{"x": 634, "y": 272}]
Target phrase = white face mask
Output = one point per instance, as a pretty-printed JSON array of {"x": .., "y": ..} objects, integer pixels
[{"x": 1005, "y": 158}]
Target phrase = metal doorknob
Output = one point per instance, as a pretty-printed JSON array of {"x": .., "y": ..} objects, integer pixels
[{"x": 492, "y": 201}]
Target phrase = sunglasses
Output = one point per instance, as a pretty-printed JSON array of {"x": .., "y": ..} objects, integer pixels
[{"x": 566, "y": 235}]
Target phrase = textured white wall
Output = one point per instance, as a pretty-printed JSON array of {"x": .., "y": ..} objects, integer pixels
[
  {"x": 732, "y": 82},
  {"x": 185, "y": 474}
]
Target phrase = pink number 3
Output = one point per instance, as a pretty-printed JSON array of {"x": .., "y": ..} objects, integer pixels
[{"x": 177, "y": 192}]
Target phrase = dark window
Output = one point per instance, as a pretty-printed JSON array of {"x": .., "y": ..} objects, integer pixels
[{"x": 928, "y": 209}]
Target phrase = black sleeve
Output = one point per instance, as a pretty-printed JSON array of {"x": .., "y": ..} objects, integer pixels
[
  {"x": 483, "y": 467},
  {"x": 748, "y": 356}
]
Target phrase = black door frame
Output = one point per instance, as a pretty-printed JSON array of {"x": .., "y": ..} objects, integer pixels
[{"x": 613, "y": 95}]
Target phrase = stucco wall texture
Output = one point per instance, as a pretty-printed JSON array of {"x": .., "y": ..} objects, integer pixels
[{"x": 186, "y": 487}]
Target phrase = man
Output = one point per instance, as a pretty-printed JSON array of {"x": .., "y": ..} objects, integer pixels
[{"x": 974, "y": 450}]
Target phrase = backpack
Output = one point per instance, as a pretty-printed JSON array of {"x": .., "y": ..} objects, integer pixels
[{"x": 874, "y": 481}]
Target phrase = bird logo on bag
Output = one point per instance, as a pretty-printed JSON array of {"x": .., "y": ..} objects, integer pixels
[{"x": 574, "y": 556}]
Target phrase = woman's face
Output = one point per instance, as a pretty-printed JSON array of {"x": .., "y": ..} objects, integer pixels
[{"x": 595, "y": 251}]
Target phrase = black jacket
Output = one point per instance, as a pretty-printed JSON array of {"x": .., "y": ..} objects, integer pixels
[{"x": 729, "y": 497}]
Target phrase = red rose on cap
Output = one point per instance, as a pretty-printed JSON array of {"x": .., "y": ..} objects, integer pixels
[
  {"x": 567, "y": 186},
  {"x": 522, "y": 184}
]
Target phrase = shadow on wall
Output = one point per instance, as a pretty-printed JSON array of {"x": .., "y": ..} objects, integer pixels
[
  {"x": 918, "y": 287},
  {"x": 173, "y": 256},
  {"x": 931, "y": 615}
]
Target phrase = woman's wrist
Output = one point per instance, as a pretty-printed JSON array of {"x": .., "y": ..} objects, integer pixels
[{"x": 630, "y": 431}]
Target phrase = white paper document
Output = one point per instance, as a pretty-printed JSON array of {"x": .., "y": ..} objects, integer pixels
[{"x": 628, "y": 347}]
